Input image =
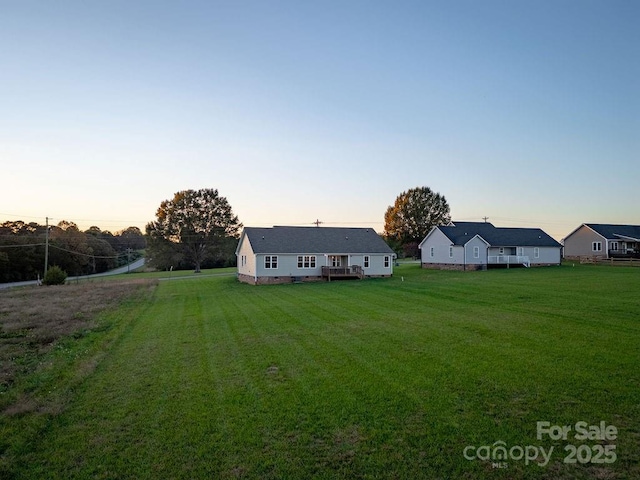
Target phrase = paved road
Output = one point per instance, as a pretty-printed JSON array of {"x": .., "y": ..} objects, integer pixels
[{"x": 117, "y": 271}]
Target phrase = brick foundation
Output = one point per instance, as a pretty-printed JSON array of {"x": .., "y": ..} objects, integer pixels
[
  {"x": 453, "y": 266},
  {"x": 250, "y": 279}
]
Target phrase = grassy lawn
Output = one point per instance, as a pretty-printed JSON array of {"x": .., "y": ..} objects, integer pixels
[{"x": 384, "y": 378}]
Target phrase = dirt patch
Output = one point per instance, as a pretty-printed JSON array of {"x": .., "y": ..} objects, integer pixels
[{"x": 34, "y": 319}]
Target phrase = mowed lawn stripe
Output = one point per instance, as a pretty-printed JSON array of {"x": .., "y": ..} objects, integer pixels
[{"x": 379, "y": 378}]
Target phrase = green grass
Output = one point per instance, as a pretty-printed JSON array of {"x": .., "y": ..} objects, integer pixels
[{"x": 385, "y": 378}]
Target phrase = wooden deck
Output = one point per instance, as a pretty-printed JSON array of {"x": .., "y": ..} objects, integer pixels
[{"x": 354, "y": 271}]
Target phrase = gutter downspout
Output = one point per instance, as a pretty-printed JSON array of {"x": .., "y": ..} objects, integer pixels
[{"x": 464, "y": 257}]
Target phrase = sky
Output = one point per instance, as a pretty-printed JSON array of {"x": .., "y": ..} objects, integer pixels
[{"x": 525, "y": 112}]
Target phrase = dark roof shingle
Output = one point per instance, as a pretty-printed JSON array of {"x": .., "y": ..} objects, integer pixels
[
  {"x": 461, "y": 232},
  {"x": 610, "y": 231},
  {"x": 319, "y": 240}
]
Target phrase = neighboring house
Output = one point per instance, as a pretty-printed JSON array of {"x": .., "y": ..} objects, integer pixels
[
  {"x": 478, "y": 245},
  {"x": 601, "y": 240},
  {"x": 290, "y": 254}
]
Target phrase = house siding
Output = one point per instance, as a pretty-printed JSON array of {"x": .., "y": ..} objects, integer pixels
[
  {"x": 547, "y": 256},
  {"x": 462, "y": 254},
  {"x": 440, "y": 244},
  {"x": 580, "y": 244},
  {"x": 470, "y": 260},
  {"x": 288, "y": 265},
  {"x": 245, "y": 250}
]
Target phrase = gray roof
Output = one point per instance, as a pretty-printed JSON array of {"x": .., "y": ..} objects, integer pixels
[
  {"x": 615, "y": 232},
  {"x": 461, "y": 232},
  {"x": 318, "y": 240}
]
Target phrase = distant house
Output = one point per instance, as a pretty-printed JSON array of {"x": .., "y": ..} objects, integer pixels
[
  {"x": 290, "y": 254},
  {"x": 601, "y": 240},
  {"x": 478, "y": 245}
]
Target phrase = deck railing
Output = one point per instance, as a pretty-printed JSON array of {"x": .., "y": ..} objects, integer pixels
[
  {"x": 351, "y": 271},
  {"x": 508, "y": 260}
]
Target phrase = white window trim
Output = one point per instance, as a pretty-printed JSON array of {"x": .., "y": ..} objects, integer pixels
[
  {"x": 387, "y": 261},
  {"x": 306, "y": 262},
  {"x": 269, "y": 261},
  {"x": 536, "y": 252},
  {"x": 365, "y": 261},
  {"x": 596, "y": 246},
  {"x": 431, "y": 252},
  {"x": 450, "y": 252},
  {"x": 476, "y": 252}
]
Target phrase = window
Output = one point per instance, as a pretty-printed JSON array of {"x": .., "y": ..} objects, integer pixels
[
  {"x": 306, "y": 261},
  {"x": 501, "y": 250},
  {"x": 336, "y": 261},
  {"x": 536, "y": 252},
  {"x": 521, "y": 251},
  {"x": 271, "y": 261},
  {"x": 614, "y": 246},
  {"x": 386, "y": 261},
  {"x": 476, "y": 252},
  {"x": 243, "y": 260},
  {"x": 366, "y": 261},
  {"x": 596, "y": 246},
  {"x": 431, "y": 252},
  {"x": 450, "y": 252}
]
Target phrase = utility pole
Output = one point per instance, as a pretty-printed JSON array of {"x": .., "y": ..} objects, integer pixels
[
  {"x": 46, "y": 247},
  {"x": 317, "y": 223}
]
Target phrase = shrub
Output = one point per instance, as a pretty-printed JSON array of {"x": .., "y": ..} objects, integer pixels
[{"x": 55, "y": 276}]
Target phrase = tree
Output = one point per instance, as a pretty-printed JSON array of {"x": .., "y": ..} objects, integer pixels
[
  {"x": 414, "y": 213},
  {"x": 194, "y": 222},
  {"x": 132, "y": 238},
  {"x": 55, "y": 276}
]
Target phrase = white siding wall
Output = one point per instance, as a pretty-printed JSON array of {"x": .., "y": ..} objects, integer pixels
[
  {"x": 245, "y": 250},
  {"x": 547, "y": 255},
  {"x": 288, "y": 265},
  {"x": 440, "y": 244},
  {"x": 482, "y": 252}
]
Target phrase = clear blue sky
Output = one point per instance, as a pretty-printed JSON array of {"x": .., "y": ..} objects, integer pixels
[{"x": 527, "y": 112}]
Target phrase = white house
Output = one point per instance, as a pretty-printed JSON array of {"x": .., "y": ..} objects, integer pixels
[
  {"x": 289, "y": 254},
  {"x": 478, "y": 245}
]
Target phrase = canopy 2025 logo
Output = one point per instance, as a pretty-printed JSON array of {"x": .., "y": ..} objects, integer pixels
[{"x": 499, "y": 453}]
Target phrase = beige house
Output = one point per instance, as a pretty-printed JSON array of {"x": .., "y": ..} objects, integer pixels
[{"x": 601, "y": 240}]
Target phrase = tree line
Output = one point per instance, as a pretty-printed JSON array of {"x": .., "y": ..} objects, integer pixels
[
  {"x": 193, "y": 229},
  {"x": 197, "y": 228},
  {"x": 22, "y": 249}
]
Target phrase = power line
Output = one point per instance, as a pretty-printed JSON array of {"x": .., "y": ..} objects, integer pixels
[
  {"x": 83, "y": 254},
  {"x": 26, "y": 245}
]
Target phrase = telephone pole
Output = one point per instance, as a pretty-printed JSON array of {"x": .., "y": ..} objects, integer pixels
[{"x": 46, "y": 247}]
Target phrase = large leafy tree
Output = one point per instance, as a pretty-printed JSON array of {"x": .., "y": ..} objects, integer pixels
[
  {"x": 413, "y": 214},
  {"x": 194, "y": 223}
]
